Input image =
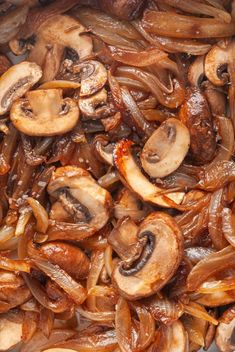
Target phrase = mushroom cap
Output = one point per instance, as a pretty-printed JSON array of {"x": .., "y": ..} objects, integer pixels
[
  {"x": 165, "y": 150},
  {"x": 158, "y": 262},
  {"x": 225, "y": 331},
  {"x": 47, "y": 117},
  {"x": 16, "y": 81},
  {"x": 65, "y": 30},
  {"x": 94, "y": 77}
]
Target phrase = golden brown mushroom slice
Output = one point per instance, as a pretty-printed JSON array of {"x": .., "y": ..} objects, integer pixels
[
  {"x": 138, "y": 183},
  {"x": 224, "y": 337},
  {"x": 165, "y": 150},
  {"x": 80, "y": 197},
  {"x": 16, "y": 81},
  {"x": 66, "y": 31},
  {"x": 162, "y": 250},
  {"x": 44, "y": 113}
]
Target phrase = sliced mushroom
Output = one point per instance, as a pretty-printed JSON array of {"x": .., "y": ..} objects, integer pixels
[
  {"x": 217, "y": 60},
  {"x": 224, "y": 337},
  {"x": 16, "y": 81},
  {"x": 137, "y": 182},
  {"x": 95, "y": 107},
  {"x": 83, "y": 200},
  {"x": 66, "y": 31},
  {"x": 69, "y": 258},
  {"x": 10, "y": 333},
  {"x": 104, "y": 150},
  {"x": 128, "y": 204},
  {"x": 165, "y": 150},
  {"x": 44, "y": 113},
  {"x": 196, "y": 115},
  {"x": 196, "y": 71},
  {"x": 93, "y": 76},
  {"x": 216, "y": 98},
  {"x": 162, "y": 250}
]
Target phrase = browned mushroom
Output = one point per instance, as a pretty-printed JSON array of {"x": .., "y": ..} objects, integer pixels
[
  {"x": 196, "y": 71},
  {"x": 16, "y": 81},
  {"x": 165, "y": 150},
  {"x": 225, "y": 331},
  {"x": 162, "y": 249},
  {"x": 44, "y": 113},
  {"x": 216, "y": 98},
  {"x": 95, "y": 107},
  {"x": 69, "y": 258},
  {"x": 196, "y": 115},
  {"x": 11, "y": 21},
  {"x": 137, "y": 182},
  {"x": 81, "y": 199}
]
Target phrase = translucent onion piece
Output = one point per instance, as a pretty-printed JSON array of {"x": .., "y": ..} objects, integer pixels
[
  {"x": 123, "y": 326},
  {"x": 60, "y": 84},
  {"x": 11, "y": 22},
  {"x": 75, "y": 290},
  {"x": 157, "y": 22},
  {"x": 97, "y": 263},
  {"x": 14, "y": 265},
  {"x": 217, "y": 286},
  {"x": 6, "y": 233},
  {"x": 97, "y": 316},
  {"x": 197, "y": 311},
  {"x": 212, "y": 264},
  {"x": 40, "y": 214},
  {"x": 228, "y": 225}
]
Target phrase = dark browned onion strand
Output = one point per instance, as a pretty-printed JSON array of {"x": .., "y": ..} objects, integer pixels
[{"x": 117, "y": 175}]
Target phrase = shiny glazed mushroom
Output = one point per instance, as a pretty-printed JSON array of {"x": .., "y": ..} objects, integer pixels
[{"x": 162, "y": 245}]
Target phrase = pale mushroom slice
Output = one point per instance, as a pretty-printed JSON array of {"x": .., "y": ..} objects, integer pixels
[
  {"x": 224, "y": 337},
  {"x": 16, "y": 81},
  {"x": 138, "y": 183},
  {"x": 216, "y": 60},
  {"x": 10, "y": 333},
  {"x": 80, "y": 196},
  {"x": 66, "y": 31},
  {"x": 44, "y": 113},
  {"x": 162, "y": 250},
  {"x": 166, "y": 148}
]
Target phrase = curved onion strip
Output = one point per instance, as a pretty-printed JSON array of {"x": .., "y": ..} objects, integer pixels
[
  {"x": 14, "y": 265},
  {"x": 195, "y": 310},
  {"x": 173, "y": 45},
  {"x": 40, "y": 214},
  {"x": 75, "y": 290},
  {"x": 216, "y": 176},
  {"x": 25, "y": 215},
  {"x": 196, "y": 7},
  {"x": 123, "y": 325},
  {"x": 139, "y": 121},
  {"x": 100, "y": 291},
  {"x": 214, "y": 225},
  {"x": 11, "y": 22},
  {"x": 228, "y": 225},
  {"x": 138, "y": 58},
  {"x": 195, "y": 254},
  {"x": 157, "y": 22},
  {"x": 39, "y": 294},
  {"x": 97, "y": 263},
  {"x": 212, "y": 264},
  {"x": 147, "y": 328},
  {"x": 6, "y": 233},
  {"x": 104, "y": 341},
  {"x": 170, "y": 100},
  {"x": 96, "y": 316},
  {"x": 60, "y": 84},
  {"x": 40, "y": 342},
  {"x": 217, "y": 286},
  {"x": 108, "y": 260}
]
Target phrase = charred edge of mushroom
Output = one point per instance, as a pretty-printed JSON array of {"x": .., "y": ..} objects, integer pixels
[{"x": 139, "y": 263}]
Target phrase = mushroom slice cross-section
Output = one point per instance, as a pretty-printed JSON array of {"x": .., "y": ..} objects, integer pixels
[
  {"x": 16, "y": 81},
  {"x": 44, "y": 113},
  {"x": 162, "y": 250},
  {"x": 166, "y": 148},
  {"x": 66, "y": 31},
  {"x": 138, "y": 183},
  {"x": 10, "y": 333},
  {"x": 80, "y": 196}
]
